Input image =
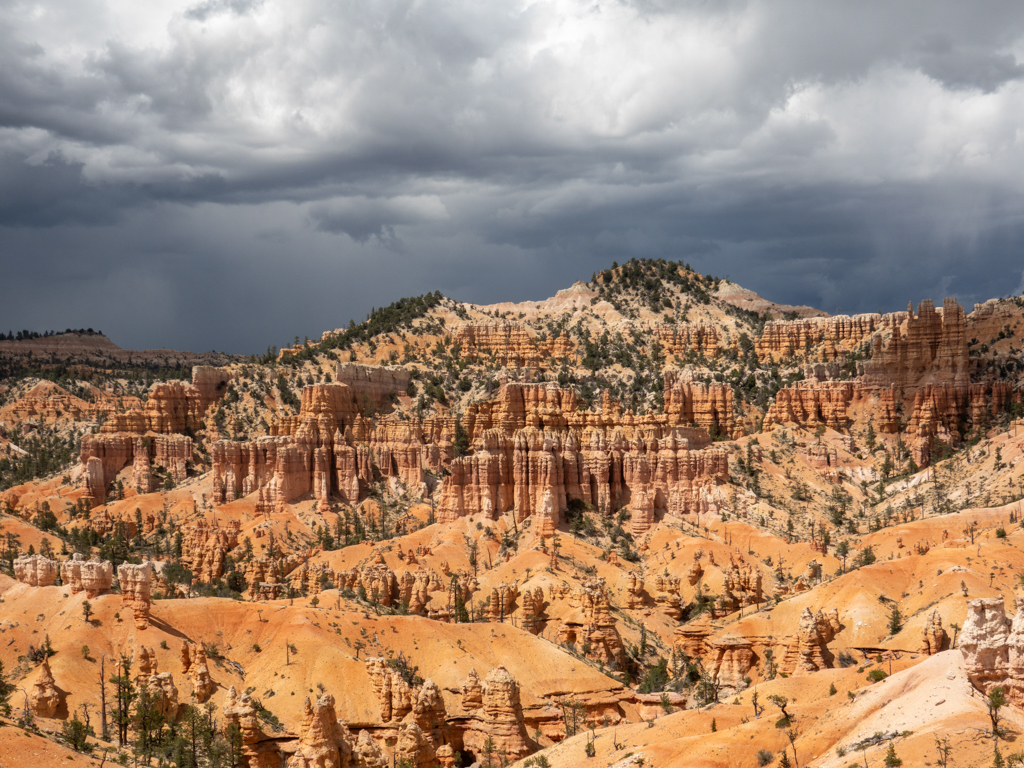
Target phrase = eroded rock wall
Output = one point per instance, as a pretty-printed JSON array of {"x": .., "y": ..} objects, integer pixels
[{"x": 510, "y": 345}]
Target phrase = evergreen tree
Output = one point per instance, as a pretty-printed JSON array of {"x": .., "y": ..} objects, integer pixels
[
  {"x": 895, "y": 620},
  {"x": 148, "y": 723},
  {"x": 124, "y": 695},
  {"x": 461, "y": 441},
  {"x": 892, "y": 760},
  {"x": 6, "y": 689}
]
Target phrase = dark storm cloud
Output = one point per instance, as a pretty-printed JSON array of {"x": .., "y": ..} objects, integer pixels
[
  {"x": 362, "y": 219},
  {"x": 958, "y": 67},
  {"x": 230, "y": 173},
  {"x": 54, "y": 192}
]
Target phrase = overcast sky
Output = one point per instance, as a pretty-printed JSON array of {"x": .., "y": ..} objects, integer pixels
[{"x": 227, "y": 174}]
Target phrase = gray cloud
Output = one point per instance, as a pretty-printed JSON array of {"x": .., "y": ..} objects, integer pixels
[
  {"x": 362, "y": 218},
  {"x": 966, "y": 68},
  {"x": 313, "y": 159},
  {"x": 52, "y": 192},
  {"x": 203, "y": 11}
]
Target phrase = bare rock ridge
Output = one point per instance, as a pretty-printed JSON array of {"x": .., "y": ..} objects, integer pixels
[
  {"x": 782, "y": 339},
  {"x": 508, "y": 344},
  {"x": 96, "y": 349}
]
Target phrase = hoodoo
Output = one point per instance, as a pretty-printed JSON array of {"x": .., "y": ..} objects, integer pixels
[{"x": 701, "y": 528}]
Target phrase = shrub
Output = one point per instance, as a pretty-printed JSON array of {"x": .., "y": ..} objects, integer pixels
[
  {"x": 656, "y": 678},
  {"x": 866, "y": 557},
  {"x": 876, "y": 675},
  {"x": 76, "y": 734}
]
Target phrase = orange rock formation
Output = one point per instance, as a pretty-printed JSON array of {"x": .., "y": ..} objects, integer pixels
[
  {"x": 135, "y": 583},
  {"x": 35, "y": 570},
  {"x": 95, "y": 576},
  {"x": 499, "y": 716},
  {"x": 44, "y": 698},
  {"x": 509, "y": 344}
]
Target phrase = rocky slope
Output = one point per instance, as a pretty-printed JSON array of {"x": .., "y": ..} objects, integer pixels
[{"x": 619, "y": 522}]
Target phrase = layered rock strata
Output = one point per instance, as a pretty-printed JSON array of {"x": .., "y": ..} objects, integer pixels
[
  {"x": 782, "y": 340},
  {"x": 510, "y": 345},
  {"x": 812, "y": 404},
  {"x": 240, "y": 712},
  {"x": 375, "y": 386},
  {"x": 922, "y": 370},
  {"x": 808, "y": 651},
  {"x": 151, "y": 434},
  {"x": 159, "y": 685},
  {"x": 94, "y": 576},
  {"x": 204, "y": 548},
  {"x": 708, "y": 406},
  {"x": 105, "y": 455},
  {"x": 932, "y": 344},
  {"x": 533, "y": 451},
  {"x": 499, "y": 718},
  {"x": 136, "y": 581},
  {"x": 323, "y": 742},
  {"x": 35, "y": 570},
  {"x": 993, "y": 646},
  {"x": 729, "y": 660},
  {"x": 683, "y": 338},
  {"x": 173, "y": 407}
]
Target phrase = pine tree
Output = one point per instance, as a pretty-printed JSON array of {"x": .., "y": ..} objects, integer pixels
[
  {"x": 77, "y": 733},
  {"x": 892, "y": 760},
  {"x": 461, "y": 442},
  {"x": 6, "y": 689},
  {"x": 488, "y": 751},
  {"x": 124, "y": 695},
  {"x": 148, "y": 723},
  {"x": 895, "y": 620}
]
